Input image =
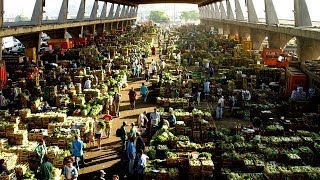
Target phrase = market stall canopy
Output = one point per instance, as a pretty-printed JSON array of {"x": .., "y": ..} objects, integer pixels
[{"x": 137, "y": 2}]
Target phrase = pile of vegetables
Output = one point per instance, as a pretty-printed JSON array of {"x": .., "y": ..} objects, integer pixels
[{"x": 162, "y": 136}]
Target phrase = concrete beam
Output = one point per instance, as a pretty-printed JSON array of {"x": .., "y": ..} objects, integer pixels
[
  {"x": 104, "y": 11},
  {"x": 13, "y": 31},
  {"x": 56, "y": 33},
  {"x": 271, "y": 14},
  {"x": 1, "y": 25},
  {"x": 111, "y": 12},
  {"x": 308, "y": 49},
  {"x": 223, "y": 11},
  {"x": 81, "y": 11},
  {"x": 36, "y": 18},
  {"x": 63, "y": 15},
  {"x": 239, "y": 13},
  {"x": 309, "y": 33},
  {"x": 229, "y": 11},
  {"x": 257, "y": 37},
  {"x": 278, "y": 40},
  {"x": 94, "y": 11},
  {"x": 75, "y": 32},
  {"x": 301, "y": 14},
  {"x": 252, "y": 15}
]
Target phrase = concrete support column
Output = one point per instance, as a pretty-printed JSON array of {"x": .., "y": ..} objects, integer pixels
[
  {"x": 81, "y": 32},
  {"x": 252, "y": 15},
  {"x": 81, "y": 11},
  {"x": 229, "y": 11},
  {"x": 108, "y": 27},
  {"x": 94, "y": 11},
  {"x": 63, "y": 15},
  {"x": 239, "y": 13},
  {"x": 301, "y": 14},
  {"x": 37, "y": 15},
  {"x": 271, "y": 14},
  {"x": 223, "y": 11},
  {"x": 111, "y": 11},
  {"x": 308, "y": 49}
]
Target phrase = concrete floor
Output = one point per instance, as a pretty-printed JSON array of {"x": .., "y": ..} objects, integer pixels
[{"x": 109, "y": 158}]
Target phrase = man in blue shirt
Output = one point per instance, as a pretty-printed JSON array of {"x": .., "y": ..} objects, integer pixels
[
  {"x": 131, "y": 150},
  {"x": 77, "y": 150},
  {"x": 144, "y": 92}
]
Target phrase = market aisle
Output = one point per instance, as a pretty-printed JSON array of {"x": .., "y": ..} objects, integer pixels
[{"x": 108, "y": 157}]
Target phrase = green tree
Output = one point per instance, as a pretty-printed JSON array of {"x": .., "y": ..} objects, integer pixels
[
  {"x": 189, "y": 15},
  {"x": 21, "y": 17},
  {"x": 158, "y": 16}
]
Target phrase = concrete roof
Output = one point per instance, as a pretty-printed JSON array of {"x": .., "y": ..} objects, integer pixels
[{"x": 137, "y": 2}]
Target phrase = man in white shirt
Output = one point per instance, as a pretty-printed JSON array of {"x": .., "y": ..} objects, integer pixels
[
  {"x": 142, "y": 119},
  {"x": 87, "y": 84},
  {"x": 220, "y": 106},
  {"x": 154, "y": 67},
  {"x": 162, "y": 65},
  {"x": 155, "y": 118}
]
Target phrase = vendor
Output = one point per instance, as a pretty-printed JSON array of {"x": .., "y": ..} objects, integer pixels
[
  {"x": 41, "y": 150},
  {"x": 3, "y": 167},
  {"x": 3, "y": 101},
  {"x": 172, "y": 119},
  {"x": 206, "y": 87},
  {"x": 155, "y": 117},
  {"x": 87, "y": 84}
]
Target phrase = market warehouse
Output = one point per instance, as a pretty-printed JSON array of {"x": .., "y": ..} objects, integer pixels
[{"x": 220, "y": 104}]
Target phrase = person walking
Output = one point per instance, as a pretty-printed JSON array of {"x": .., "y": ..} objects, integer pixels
[
  {"x": 144, "y": 92},
  {"x": 116, "y": 102},
  {"x": 132, "y": 97},
  {"x": 146, "y": 73},
  {"x": 77, "y": 150},
  {"x": 142, "y": 121},
  {"x": 232, "y": 102},
  {"x": 108, "y": 120},
  {"x": 70, "y": 172},
  {"x": 46, "y": 169},
  {"x": 131, "y": 152},
  {"x": 140, "y": 145},
  {"x": 97, "y": 132},
  {"x": 123, "y": 136},
  {"x": 219, "y": 109},
  {"x": 133, "y": 131}
]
